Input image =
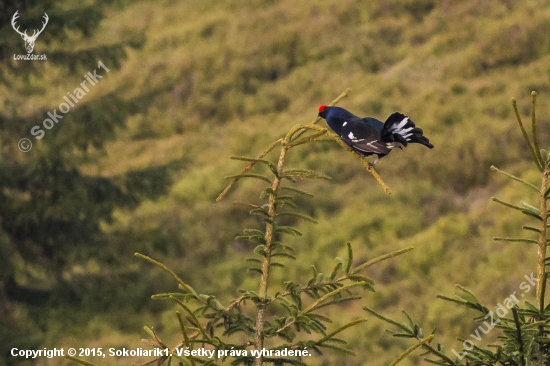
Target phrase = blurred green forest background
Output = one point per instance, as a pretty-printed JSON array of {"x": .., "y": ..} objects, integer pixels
[{"x": 137, "y": 164}]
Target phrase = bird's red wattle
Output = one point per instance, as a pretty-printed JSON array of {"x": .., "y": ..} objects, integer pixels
[{"x": 321, "y": 108}]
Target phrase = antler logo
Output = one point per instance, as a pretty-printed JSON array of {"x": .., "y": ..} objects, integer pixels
[{"x": 29, "y": 41}]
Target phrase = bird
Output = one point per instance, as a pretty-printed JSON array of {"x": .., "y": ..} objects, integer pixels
[{"x": 369, "y": 136}]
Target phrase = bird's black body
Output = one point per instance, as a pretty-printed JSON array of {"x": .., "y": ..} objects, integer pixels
[{"x": 369, "y": 136}]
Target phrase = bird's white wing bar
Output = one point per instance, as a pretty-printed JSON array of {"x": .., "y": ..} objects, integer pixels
[
  {"x": 375, "y": 147},
  {"x": 352, "y": 137}
]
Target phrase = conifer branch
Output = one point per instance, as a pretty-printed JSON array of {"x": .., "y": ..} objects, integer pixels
[
  {"x": 235, "y": 303},
  {"x": 534, "y": 127},
  {"x": 341, "y": 329},
  {"x": 381, "y": 258},
  {"x": 316, "y": 304},
  {"x": 195, "y": 320},
  {"x": 421, "y": 343},
  {"x": 202, "y": 299},
  {"x": 247, "y": 168},
  {"x": 318, "y": 285},
  {"x": 266, "y": 264},
  {"x": 185, "y": 337},
  {"x": 494, "y": 168},
  {"x": 382, "y": 317},
  {"x": 525, "y": 136},
  {"x": 310, "y": 138},
  {"x": 527, "y": 210},
  {"x": 183, "y": 285},
  {"x": 541, "y": 273},
  {"x": 439, "y": 354},
  {"x": 516, "y": 240},
  {"x": 249, "y": 175},
  {"x": 519, "y": 337},
  {"x": 410, "y": 331},
  {"x": 153, "y": 334},
  {"x": 296, "y": 190},
  {"x": 476, "y": 305},
  {"x": 530, "y": 228}
]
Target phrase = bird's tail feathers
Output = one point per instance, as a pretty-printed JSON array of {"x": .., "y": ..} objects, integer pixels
[{"x": 399, "y": 128}]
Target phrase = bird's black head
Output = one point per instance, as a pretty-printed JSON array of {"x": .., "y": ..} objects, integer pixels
[
  {"x": 323, "y": 110},
  {"x": 336, "y": 117}
]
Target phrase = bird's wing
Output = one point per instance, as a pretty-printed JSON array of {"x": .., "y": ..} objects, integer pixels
[{"x": 364, "y": 137}]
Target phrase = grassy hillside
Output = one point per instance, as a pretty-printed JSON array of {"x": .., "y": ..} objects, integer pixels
[{"x": 229, "y": 77}]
